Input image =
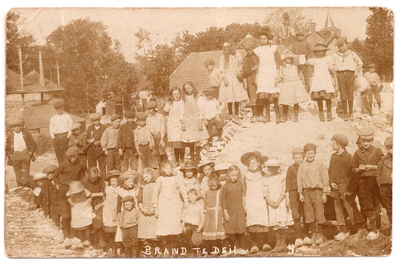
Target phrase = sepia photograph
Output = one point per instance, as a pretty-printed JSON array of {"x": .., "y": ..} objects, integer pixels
[{"x": 229, "y": 132}]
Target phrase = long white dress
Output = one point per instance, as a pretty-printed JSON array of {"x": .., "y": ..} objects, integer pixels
[
  {"x": 235, "y": 90},
  {"x": 321, "y": 79},
  {"x": 275, "y": 186},
  {"x": 256, "y": 206},
  {"x": 110, "y": 207},
  {"x": 267, "y": 71},
  {"x": 176, "y": 112},
  {"x": 166, "y": 195}
]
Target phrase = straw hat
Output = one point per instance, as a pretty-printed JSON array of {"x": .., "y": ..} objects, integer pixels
[
  {"x": 129, "y": 174},
  {"x": 76, "y": 187},
  {"x": 287, "y": 54},
  {"x": 203, "y": 164},
  {"x": 189, "y": 164},
  {"x": 38, "y": 176},
  {"x": 112, "y": 173},
  {"x": 245, "y": 157},
  {"x": 222, "y": 166},
  {"x": 16, "y": 122}
]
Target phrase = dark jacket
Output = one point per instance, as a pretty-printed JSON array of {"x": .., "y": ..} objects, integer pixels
[
  {"x": 291, "y": 178},
  {"x": 48, "y": 196},
  {"x": 385, "y": 169},
  {"x": 29, "y": 141},
  {"x": 339, "y": 170},
  {"x": 249, "y": 61},
  {"x": 126, "y": 137},
  {"x": 91, "y": 132}
]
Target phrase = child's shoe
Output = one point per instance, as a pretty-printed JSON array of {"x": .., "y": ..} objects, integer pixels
[
  {"x": 266, "y": 247},
  {"x": 299, "y": 242},
  {"x": 372, "y": 236},
  {"x": 319, "y": 239},
  {"x": 313, "y": 238},
  {"x": 284, "y": 118},
  {"x": 67, "y": 242},
  {"x": 345, "y": 117},
  {"x": 296, "y": 118},
  {"x": 86, "y": 243},
  {"x": 254, "y": 249},
  {"x": 329, "y": 116},
  {"x": 307, "y": 241},
  {"x": 321, "y": 116},
  {"x": 253, "y": 119},
  {"x": 341, "y": 236}
]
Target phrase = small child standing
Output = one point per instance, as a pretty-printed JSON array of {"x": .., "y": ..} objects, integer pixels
[
  {"x": 48, "y": 196},
  {"x": 175, "y": 124},
  {"x": 257, "y": 221},
  {"x": 81, "y": 213},
  {"x": 110, "y": 203},
  {"x": 205, "y": 170},
  {"x": 189, "y": 171},
  {"x": 156, "y": 124},
  {"x": 213, "y": 231},
  {"x": 323, "y": 80},
  {"x": 232, "y": 202},
  {"x": 212, "y": 113},
  {"x": 110, "y": 144},
  {"x": 339, "y": 172},
  {"x": 147, "y": 219},
  {"x": 167, "y": 205},
  {"x": 128, "y": 222},
  {"x": 312, "y": 184},
  {"x": 292, "y": 91},
  {"x": 214, "y": 76},
  {"x": 79, "y": 139},
  {"x": 144, "y": 142},
  {"x": 385, "y": 179},
  {"x": 193, "y": 220},
  {"x": 292, "y": 195},
  {"x": 274, "y": 195},
  {"x": 365, "y": 164}
]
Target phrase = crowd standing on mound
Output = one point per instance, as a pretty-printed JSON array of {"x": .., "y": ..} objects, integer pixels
[{"x": 115, "y": 188}]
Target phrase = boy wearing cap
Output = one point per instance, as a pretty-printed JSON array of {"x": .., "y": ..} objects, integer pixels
[
  {"x": 78, "y": 138},
  {"x": 364, "y": 166},
  {"x": 292, "y": 195},
  {"x": 156, "y": 124},
  {"x": 144, "y": 142},
  {"x": 339, "y": 172},
  {"x": 128, "y": 222},
  {"x": 95, "y": 153},
  {"x": 374, "y": 81},
  {"x": 385, "y": 179},
  {"x": 20, "y": 147},
  {"x": 302, "y": 48},
  {"x": 109, "y": 143},
  {"x": 48, "y": 196},
  {"x": 127, "y": 144},
  {"x": 60, "y": 127},
  {"x": 214, "y": 76},
  {"x": 313, "y": 183},
  {"x": 347, "y": 65},
  {"x": 71, "y": 169},
  {"x": 212, "y": 110},
  {"x": 249, "y": 72}
]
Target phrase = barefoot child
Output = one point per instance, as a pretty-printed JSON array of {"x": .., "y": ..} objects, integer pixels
[
  {"x": 312, "y": 184},
  {"x": 232, "y": 202}
]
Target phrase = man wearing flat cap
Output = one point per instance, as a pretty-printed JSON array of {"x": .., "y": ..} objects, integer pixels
[
  {"x": 60, "y": 130},
  {"x": 109, "y": 143},
  {"x": 20, "y": 147},
  {"x": 127, "y": 143},
  {"x": 347, "y": 65},
  {"x": 95, "y": 153}
]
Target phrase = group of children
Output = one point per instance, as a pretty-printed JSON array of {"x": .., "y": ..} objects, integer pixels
[
  {"x": 271, "y": 75},
  {"x": 208, "y": 209}
]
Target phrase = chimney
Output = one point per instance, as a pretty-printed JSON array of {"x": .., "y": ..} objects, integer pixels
[{"x": 313, "y": 27}]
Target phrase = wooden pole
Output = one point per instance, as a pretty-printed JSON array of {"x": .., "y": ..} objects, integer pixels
[
  {"x": 41, "y": 69},
  {"x": 58, "y": 73},
  {"x": 21, "y": 74}
]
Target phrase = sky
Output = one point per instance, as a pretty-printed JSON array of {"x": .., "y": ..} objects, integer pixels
[{"x": 164, "y": 24}]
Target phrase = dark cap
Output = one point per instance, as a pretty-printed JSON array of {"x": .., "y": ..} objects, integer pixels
[
  {"x": 128, "y": 199},
  {"x": 115, "y": 117},
  {"x": 341, "y": 139},
  {"x": 309, "y": 146}
]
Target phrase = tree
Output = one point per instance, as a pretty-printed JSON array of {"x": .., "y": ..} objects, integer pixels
[
  {"x": 284, "y": 23},
  {"x": 144, "y": 40},
  {"x": 18, "y": 38},
  {"x": 90, "y": 63},
  {"x": 358, "y": 47},
  {"x": 379, "y": 42}
]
